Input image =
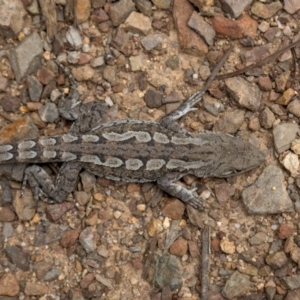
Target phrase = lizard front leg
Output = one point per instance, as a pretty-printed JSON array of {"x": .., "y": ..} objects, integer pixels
[
  {"x": 87, "y": 116},
  {"x": 167, "y": 184},
  {"x": 189, "y": 104},
  {"x": 43, "y": 187}
]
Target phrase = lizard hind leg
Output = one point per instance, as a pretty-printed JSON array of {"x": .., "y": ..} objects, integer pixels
[
  {"x": 167, "y": 184},
  {"x": 43, "y": 187}
]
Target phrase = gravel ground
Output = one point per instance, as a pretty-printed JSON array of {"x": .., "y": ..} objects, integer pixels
[{"x": 113, "y": 240}]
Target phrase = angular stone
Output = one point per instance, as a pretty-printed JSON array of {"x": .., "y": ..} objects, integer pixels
[
  {"x": 83, "y": 73},
  {"x": 230, "y": 122},
  {"x": 281, "y": 81},
  {"x": 119, "y": 11},
  {"x": 69, "y": 238},
  {"x": 17, "y": 257},
  {"x": 163, "y": 4},
  {"x": 266, "y": 118},
  {"x": 99, "y": 15},
  {"x": 12, "y": 15},
  {"x": 190, "y": 41},
  {"x": 277, "y": 260},
  {"x": 6, "y": 214},
  {"x": 153, "y": 98},
  {"x": 290, "y": 161},
  {"x": 35, "y": 289},
  {"x": 286, "y": 97},
  {"x": 137, "y": 23},
  {"x": 265, "y": 11},
  {"x": 56, "y": 211},
  {"x": 237, "y": 285},
  {"x": 284, "y": 135},
  {"x": 204, "y": 29},
  {"x": 268, "y": 194},
  {"x": 245, "y": 26},
  {"x": 35, "y": 88},
  {"x": 144, "y": 6},
  {"x": 73, "y": 37},
  {"x": 235, "y": 7},
  {"x": 294, "y": 108},
  {"x": 10, "y": 103},
  {"x": 291, "y": 282},
  {"x": 167, "y": 271},
  {"x": 152, "y": 41},
  {"x": 48, "y": 112},
  {"x": 244, "y": 93},
  {"x": 88, "y": 239},
  {"x": 82, "y": 10},
  {"x": 26, "y": 57},
  {"x": 9, "y": 285},
  {"x": 291, "y": 6}
]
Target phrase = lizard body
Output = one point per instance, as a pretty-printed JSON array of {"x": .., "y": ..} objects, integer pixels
[{"x": 131, "y": 150}]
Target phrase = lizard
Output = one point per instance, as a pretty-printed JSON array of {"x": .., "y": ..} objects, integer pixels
[{"x": 130, "y": 150}]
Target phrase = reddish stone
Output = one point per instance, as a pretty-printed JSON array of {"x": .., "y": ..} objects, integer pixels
[
  {"x": 285, "y": 230},
  {"x": 193, "y": 249},
  {"x": 179, "y": 247},
  {"x": 69, "y": 238},
  {"x": 245, "y": 26},
  {"x": 45, "y": 75},
  {"x": 6, "y": 214},
  {"x": 190, "y": 41},
  {"x": 173, "y": 209},
  {"x": 87, "y": 280},
  {"x": 215, "y": 244}
]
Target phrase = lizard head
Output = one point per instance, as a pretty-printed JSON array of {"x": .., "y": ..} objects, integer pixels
[{"x": 239, "y": 156}]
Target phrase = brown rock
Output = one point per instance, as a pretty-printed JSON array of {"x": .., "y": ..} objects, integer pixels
[
  {"x": 56, "y": 211},
  {"x": 266, "y": 118},
  {"x": 69, "y": 238},
  {"x": 291, "y": 6},
  {"x": 92, "y": 219},
  {"x": 281, "y": 81},
  {"x": 87, "y": 280},
  {"x": 83, "y": 73},
  {"x": 173, "y": 209},
  {"x": 294, "y": 108},
  {"x": 119, "y": 11},
  {"x": 285, "y": 230},
  {"x": 245, "y": 26},
  {"x": 193, "y": 249},
  {"x": 9, "y": 285},
  {"x": 277, "y": 260},
  {"x": 12, "y": 15},
  {"x": 82, "y": 10},
  {"x": 99, "y": 15},
  {"x": 10, "y": 103},
  {"x": 224, "y": 191},
  {"x": 230, "y": 122},
  {"x": 138, "y": 23},
  {"x": 265, "y": 83},
  {"x": 265, "y": 11},
  {"x": 286, "y": 97},
  {"x": 35, "y": 289},
  {"x": 190, "y": 41},
  {"x": 215, "y": 244},
  {"x": 244, "y": 93},
  {"x": 179, "y": 247},
  {"x": 137, "y": 263},
  {"x": 295, "y": 255},
  {"x": 6, "y": 214},
  {"x": 3, "y": 83},
  {"x": 45, "y": 75}
]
